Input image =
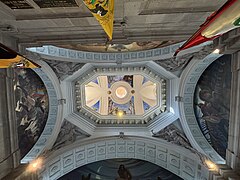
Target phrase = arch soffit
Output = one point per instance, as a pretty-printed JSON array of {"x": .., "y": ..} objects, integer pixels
[
  {"x": 51, "y": 83},
  {"x": 176, "y": 159},
  {"x": 191, "y": 128}
]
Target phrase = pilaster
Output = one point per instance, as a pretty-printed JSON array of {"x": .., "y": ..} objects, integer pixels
[
  {"x": 9, "y": 152},
  {"x": 233, "y": 151}
]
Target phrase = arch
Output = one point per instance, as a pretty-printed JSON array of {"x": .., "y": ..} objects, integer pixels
[
  {"x": 191, "y": 128},
  {"x": 175, "y": 159},
  {"x": 71, "y": 55},
  {"x": 55, "y": 111}
]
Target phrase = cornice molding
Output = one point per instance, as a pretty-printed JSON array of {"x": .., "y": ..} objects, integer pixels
[{"x": 69, "y": 55}]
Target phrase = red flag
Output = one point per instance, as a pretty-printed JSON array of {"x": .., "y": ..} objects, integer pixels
[{"x": 221, "y": 21}]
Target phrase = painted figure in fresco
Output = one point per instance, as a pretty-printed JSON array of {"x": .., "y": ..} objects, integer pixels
[
  {"x": 31, "y": 108},
  {"x": 172, "y": 134},
  {"x": 87, "y": 177},
  {"x": 212, "y": 103},
  {"x": 123, "y": 173},
  {"x": 98, "y": 6},
  {"x": 129, "y": 79}
]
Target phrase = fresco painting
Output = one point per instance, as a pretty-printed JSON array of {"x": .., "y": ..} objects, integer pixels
[
  {"x": 128, "y": 108},
  {"x": 31, "y": 108},
  {"x": 121, "y": 169},
  {"x": 212, "y": 103},
  {"x": 126, "y": 78}
]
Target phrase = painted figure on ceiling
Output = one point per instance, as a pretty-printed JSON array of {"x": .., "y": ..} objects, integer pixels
[{"x": 124, "y": 173}]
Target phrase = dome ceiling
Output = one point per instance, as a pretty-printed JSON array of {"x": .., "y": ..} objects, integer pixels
[
  {"x": 121, "y": 97},
  {"x": 130, "y": 94}
]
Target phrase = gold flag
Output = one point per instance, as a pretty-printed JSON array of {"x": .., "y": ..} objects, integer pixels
[
  {"x": 102, "y": 10},
  {"x": 11, "y": 59}
]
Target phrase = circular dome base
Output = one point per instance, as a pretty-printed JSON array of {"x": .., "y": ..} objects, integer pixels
[{"x": 121, "y": 92}]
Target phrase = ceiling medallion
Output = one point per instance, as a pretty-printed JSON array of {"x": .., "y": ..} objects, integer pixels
[{"x": 121, "y": 92}]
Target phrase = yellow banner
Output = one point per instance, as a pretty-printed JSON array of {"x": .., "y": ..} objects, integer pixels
[
  {"x": 103, "y": 11},
  {"x": 11, "y": 59},
  {"x": 17, "y": 62}
]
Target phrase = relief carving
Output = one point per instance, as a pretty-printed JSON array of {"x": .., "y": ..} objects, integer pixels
[
  {"x": 180, "y": 62},
  {"x": 172, "y": 134},
  {"x": 63, "y": 69},
  {"x": 68, "y": 134}
]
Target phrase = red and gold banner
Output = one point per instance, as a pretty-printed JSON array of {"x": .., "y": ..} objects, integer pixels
[
  {"x": 11, "y": 59},
  {"x": 103, "y": 11},
  {"x": 220, "y": 22}
]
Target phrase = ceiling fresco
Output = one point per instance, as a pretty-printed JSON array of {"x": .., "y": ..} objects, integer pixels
[
  {"x": 120, "y": 169},
  {"x": 31, "y": 107},
  {"x": 212, "y": 103}
]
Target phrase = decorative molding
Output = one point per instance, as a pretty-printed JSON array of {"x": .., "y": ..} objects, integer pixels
[
  {"x": 68, "y": 112},
  {"x": 189, "y": 79},
  {"x": 63, "y": 69},
  {"x": 229, "y": 42},
  {"x": 162, "y": 121},
  {"x": 177, "y": 160},
  {"x": 179, "y": 63},
  {"x": 175, "y": 64},
  {"x": 89, "y": 127},
  {"x": 86, "y": 57},
  {"x": 172, "y": 134},
  {"x": 62, "y": 54}
]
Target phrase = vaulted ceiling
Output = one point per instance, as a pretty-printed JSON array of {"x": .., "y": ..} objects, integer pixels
[
  {"x": 134, "y": 21},
  {"x": 146, "y": 24}
]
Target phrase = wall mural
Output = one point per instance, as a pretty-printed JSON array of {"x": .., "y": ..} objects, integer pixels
[
  {"x": 31, "y": 108},
  {"x": 212, "y": 103},
  {"x": 121, "y": 169}
]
